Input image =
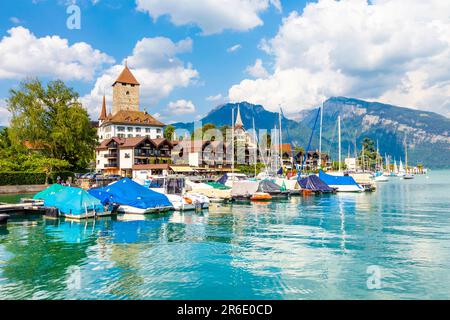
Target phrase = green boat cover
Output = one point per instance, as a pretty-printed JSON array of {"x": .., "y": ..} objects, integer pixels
[{"x": 217, "y": 185}]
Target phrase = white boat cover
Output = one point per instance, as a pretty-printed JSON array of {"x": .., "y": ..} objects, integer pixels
[{"x": 244, "y": 188}]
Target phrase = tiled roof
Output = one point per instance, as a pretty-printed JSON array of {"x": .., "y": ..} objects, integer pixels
[
  {"x": 126, "y": 77},
  {"x": 285, "y": 147},
  {"x": 131, "y": 142},
  {"x": 133, "y": 118}
]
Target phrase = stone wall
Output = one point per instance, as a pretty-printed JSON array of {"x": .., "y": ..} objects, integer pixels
[
  {"x": 125, "y": 97},
  {"x": 22, "y": 189}
]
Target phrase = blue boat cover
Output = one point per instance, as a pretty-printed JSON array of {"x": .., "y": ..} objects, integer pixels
[
  {"x": 223, "y": 179},
  {"x": 74, "y": 201},
  {"x": 337, "y": 180},
  {"x": 49, "y": 192},
  {"x": 129, "y": 193},
  {"x": 314, "y": 183}
]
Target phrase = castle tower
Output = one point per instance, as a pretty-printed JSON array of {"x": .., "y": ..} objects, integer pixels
[{"x": 125, "y": 92}]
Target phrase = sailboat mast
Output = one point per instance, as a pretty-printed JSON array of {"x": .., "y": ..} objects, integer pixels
[
  {"x": 232, "y": 140},
  {"x": 320, "y": 136},
  {"x": 256, "y": 149},
  {"x": 281, "y": 140},
  {"x": 406, "y": 157},
  {"x": 339, "y": 133}
]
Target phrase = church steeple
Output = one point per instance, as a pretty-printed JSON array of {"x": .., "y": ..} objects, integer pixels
[
  {"x": 102, "y": 116},
  {"x": 239, "y": 124}
]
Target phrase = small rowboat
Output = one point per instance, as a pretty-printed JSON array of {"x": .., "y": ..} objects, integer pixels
[{"x": 261, "y": 196}]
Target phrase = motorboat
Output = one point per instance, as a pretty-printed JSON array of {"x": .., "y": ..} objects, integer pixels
[
  {"x": 132, "y": 198},
  {"x": 340, "y": 182},
  {"x": 76, "y": 203},
  {"x": 261, "y": 196}
]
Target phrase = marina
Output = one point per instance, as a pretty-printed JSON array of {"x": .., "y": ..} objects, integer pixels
[{"x": 303, "y": 247}]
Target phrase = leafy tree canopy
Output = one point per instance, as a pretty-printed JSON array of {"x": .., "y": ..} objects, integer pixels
[{"x": 51, "y": 119}]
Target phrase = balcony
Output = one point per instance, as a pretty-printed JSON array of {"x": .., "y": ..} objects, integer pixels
[
  {"x": 110, "y": 165},
  {"x": 111, "y": 155},
  {"x": 144, "y": 154}
]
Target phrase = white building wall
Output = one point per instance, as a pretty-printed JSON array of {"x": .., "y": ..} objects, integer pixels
[
  {"x": 112, "y": 130},
  {"x": 101, "y": 161},
  {"x": 194, "y": 159},
  {"x": 126, "y": 158}
]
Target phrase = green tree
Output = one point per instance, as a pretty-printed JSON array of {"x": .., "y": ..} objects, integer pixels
[
  {"x": 52, "y": 118},
  {"x": 201, "y": 131},
  {"x": 169, "y": 132},
  {"x": 368, "y": 156}
]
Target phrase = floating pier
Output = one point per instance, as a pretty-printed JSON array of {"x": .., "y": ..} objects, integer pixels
[{"x": 25, "y": 208}]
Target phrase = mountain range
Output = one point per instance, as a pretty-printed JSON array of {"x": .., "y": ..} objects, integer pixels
[{"x": 427, "y": 134}]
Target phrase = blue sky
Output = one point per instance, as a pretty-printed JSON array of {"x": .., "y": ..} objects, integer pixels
[
  {"x": 285, "y": 55},
  {"x": 114, "y": 27}
]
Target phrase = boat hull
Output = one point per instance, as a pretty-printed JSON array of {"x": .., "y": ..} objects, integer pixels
[
  {"x": 134, "y": 210},
  {"x": 89, "y": 215},
  {"x": 347, "y": 188}
]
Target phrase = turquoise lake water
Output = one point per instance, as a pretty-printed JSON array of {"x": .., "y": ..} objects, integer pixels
[{"x": 318, "y": 247}]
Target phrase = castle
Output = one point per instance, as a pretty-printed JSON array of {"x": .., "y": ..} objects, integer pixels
[
  {"x": 130, "y": 140},
  {"x": 126, "y": 120}
]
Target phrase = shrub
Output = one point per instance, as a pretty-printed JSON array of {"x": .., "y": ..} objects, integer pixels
[
  {"x": 31, "y": 178},
  {"x": 21, "y": 178}
]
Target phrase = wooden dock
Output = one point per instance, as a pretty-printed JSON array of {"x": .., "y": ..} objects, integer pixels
[{"x": 23, "y": 208}]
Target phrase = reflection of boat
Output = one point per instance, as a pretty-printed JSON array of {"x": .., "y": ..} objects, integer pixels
[
  {"x": 132, "y": 198},
  {"x": 261, "y": 196},
  {"x": 340, "y": 183}
]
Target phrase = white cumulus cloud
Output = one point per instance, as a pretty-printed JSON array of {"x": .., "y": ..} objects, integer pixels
[
  {"x": 180, "y": 107},
  {"x": 23, "y": 54},
  {"x": 5, "y": 115},
  {"x": 155, "y": 65},
  {"x": 212, "y": 16},
  {"x": 392, "y": 50},
  {"x": 217, "y": 97},
  {"x": 257, "y": 70}
]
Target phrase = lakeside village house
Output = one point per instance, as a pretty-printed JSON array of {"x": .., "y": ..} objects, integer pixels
[{"x": 132, "y": 142}]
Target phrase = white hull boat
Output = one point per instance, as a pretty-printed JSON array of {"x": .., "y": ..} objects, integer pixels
[
  {"x": 199, "y": 201},
  {"x": 347, "y": 188},
  {"x": 180, "y": 203},
  {"x": 134, "y": 210}
]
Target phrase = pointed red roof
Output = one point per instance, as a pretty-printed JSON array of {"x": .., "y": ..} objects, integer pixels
[
  {"x": 126, "y": 77},
  {"x": 103, "y": 112}
]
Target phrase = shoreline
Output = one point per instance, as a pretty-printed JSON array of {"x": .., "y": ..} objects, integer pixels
[{"x": 18, "y": 189}]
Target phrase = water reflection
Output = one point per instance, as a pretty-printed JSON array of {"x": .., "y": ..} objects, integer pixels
[{"x": 313, "y": 247}]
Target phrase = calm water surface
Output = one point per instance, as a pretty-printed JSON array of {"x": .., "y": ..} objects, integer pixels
[{"x": 315, "y": 247}]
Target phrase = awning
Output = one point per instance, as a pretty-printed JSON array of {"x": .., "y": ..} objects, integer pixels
[
  {"x": 178, "y": 169},
  {"x": 159, "y": 166}
]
